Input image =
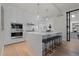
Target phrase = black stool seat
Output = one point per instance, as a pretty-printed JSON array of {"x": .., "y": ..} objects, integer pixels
[
  {"x": 78, "y": 36},
  {"x": 44, "y": 40}
]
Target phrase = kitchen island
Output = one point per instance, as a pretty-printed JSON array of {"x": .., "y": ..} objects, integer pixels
[{"x": 34, "y": 41}]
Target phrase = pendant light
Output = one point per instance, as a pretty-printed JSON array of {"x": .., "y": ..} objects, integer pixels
[
  {"x": 38, "y": 11},
  {"x": 46, "y": 18}
]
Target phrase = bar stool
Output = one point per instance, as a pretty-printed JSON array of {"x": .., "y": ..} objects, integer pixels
[
  {"x": 60, "y": 39},
  {"x": 55, "y": 41},
  {"x": 78, "y": 36},
  {"x": 53, "y": 48},
  {"x": 48, "y": 46},
  {"x": 44, "y": 41},
  {"x": 52, "y": 45}
]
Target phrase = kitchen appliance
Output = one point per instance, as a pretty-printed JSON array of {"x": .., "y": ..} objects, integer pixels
[{"x": 16, "y": 30}]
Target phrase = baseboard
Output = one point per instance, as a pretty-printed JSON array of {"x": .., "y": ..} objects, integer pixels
[{"x": 12, "y": 42}]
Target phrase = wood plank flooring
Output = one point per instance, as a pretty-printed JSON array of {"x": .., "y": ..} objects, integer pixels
[
  {"x": 17, "y": 49},
  {"x": 66, "y": 49}
]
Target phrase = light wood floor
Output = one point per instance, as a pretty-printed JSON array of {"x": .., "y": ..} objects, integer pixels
[
  {"x": 17, "y": 49},
  {"x": 66, "y": 49}
]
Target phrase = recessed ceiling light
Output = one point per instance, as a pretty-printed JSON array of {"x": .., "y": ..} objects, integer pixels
[
  {"x": 38, "y": 16},
  {"x": 73, "y": 16}
]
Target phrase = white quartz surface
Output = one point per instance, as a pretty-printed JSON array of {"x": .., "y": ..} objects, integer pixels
[{"x": 43, "y": 33}]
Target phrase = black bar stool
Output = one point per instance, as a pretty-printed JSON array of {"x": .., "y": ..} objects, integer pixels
[
  {"x": 44, "y": 41},
  {"x": 60, "y": 39},
  {"x": 49, "y": 46},
  {"x": 52, "y": 46},
  {"x": 78, "y": 36},
  {"x": 55, "y": 41}
]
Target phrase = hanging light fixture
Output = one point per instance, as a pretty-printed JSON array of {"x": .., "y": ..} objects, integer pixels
[
  {"x": 38, "y": 11},
  {"x": 46, "y": 18}
]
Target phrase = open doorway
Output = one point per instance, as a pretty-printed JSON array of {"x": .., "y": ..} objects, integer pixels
[{"x": 72, "y": 24}]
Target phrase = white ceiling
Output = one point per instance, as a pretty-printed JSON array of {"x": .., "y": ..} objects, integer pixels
[
  {"x": 47, "y": 9},
  {"x": 76, "y": 15}
]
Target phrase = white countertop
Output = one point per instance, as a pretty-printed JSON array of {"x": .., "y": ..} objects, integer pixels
[{"x": 43, "y": 33}]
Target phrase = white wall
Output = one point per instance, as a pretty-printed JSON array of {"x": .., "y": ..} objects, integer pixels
[
  {"x": 60, "y": 25},
  {"x": 0, "y": 31},
  {"x": 12, "y": 14},
  {"x": 1, "y": 35}
]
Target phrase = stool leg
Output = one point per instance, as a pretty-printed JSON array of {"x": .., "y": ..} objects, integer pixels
[
  {"x": 58, "y": 40},
  {"x": 45, "y": 49},
  {"x": 52, "y": 44},
  {"x": 49, "y": 48}
]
